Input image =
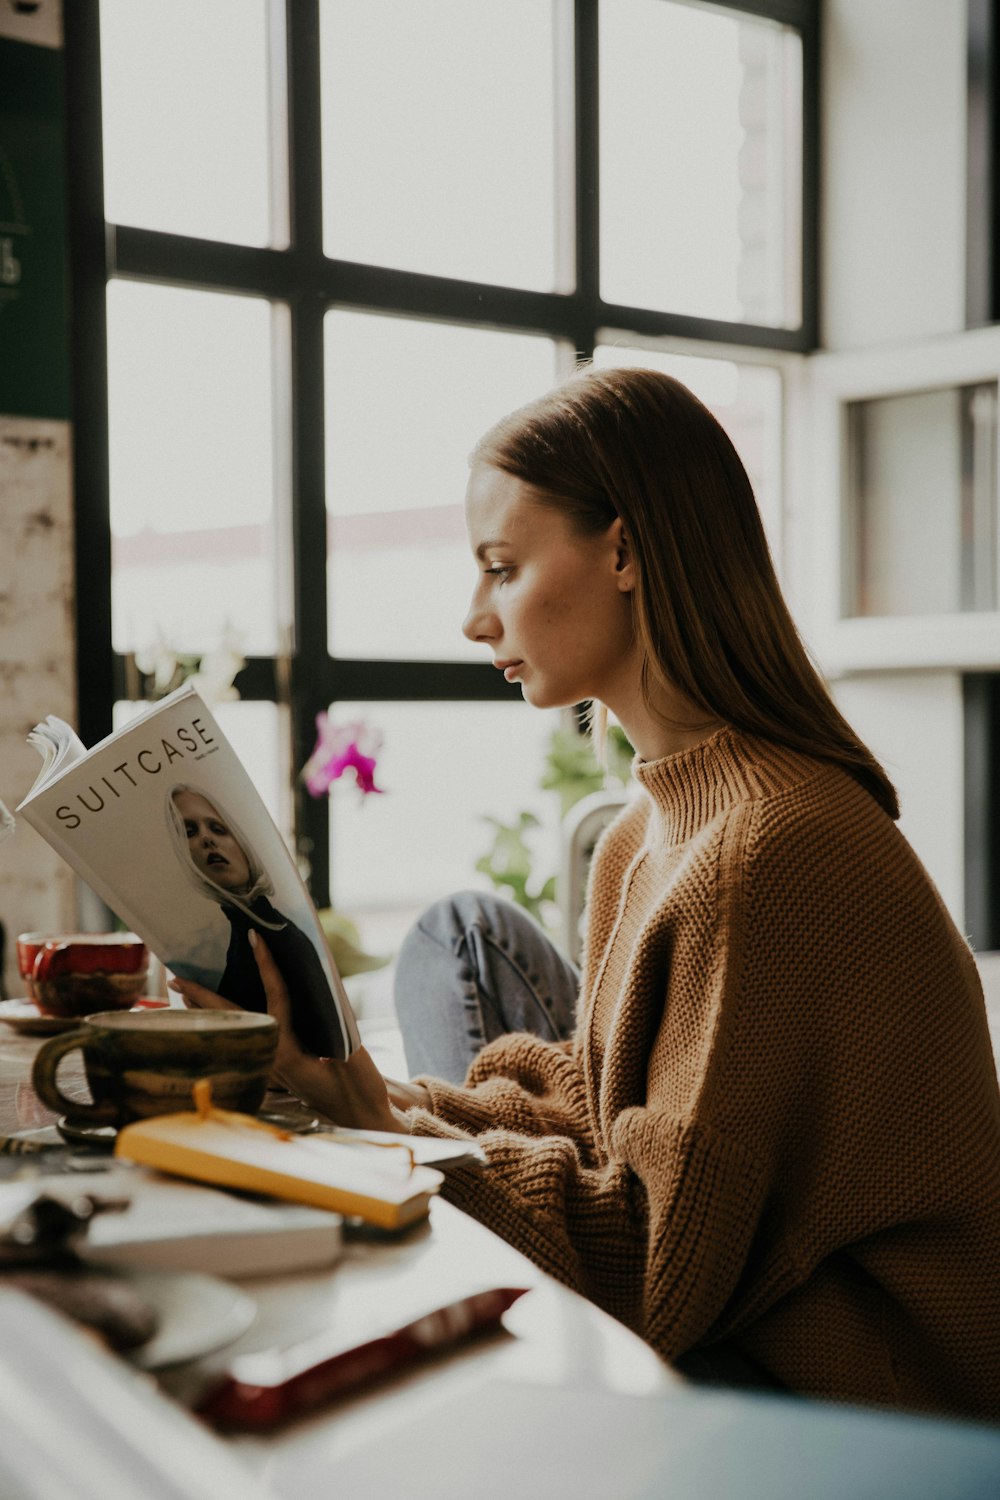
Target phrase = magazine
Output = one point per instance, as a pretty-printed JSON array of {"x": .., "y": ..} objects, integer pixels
[{"x": 162, "y": 821}]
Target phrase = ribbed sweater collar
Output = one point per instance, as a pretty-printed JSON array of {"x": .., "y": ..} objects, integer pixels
[{"x": 692, "y": 788}]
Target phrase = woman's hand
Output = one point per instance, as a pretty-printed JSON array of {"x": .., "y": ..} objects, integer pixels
[
  {"x": 197, "y": 997},
  {"x": 352, "y": 1093}
]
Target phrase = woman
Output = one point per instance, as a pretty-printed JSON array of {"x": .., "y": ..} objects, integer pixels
[
  {"x": 770, "y": 1142},
  {"x": 223, "y": 867}
]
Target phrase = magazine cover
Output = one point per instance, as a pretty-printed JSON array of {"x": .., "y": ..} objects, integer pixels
[{"x": 162, "y": 821}]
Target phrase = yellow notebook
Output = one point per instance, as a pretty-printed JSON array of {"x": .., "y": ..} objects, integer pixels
[{"x": 376, "y": 1183}]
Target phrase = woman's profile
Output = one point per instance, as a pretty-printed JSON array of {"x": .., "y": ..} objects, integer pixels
[{"x": 220, "y": 861}]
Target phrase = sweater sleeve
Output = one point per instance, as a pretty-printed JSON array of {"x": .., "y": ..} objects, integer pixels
[
  {"x": 519, "y": 1083},
  {"x": 657, "y": 1234}
]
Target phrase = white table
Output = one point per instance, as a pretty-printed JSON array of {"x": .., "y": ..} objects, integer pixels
[
  {"x": 563, "y": 1402},
  {"x": 551, "y": 1336}
]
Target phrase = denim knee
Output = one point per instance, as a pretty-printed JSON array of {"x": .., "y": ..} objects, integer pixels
[{"x": 448, "y": 920}]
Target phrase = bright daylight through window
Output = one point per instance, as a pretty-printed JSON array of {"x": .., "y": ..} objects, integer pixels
[{"x": 314, "y": 311}]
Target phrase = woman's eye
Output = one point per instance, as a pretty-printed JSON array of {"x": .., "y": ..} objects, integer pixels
[{"x": 499, "y": 571}]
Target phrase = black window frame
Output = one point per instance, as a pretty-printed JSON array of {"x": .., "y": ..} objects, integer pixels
[
  {"x": 308, "y": 679},
  {"x": 981, "y": 690}
]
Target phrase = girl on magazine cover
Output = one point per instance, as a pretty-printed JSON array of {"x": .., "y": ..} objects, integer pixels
[{"x": 220, "y": 861}]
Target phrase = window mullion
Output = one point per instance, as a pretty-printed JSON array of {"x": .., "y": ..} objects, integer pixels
[
  {"x": 308, "y": 661},
  {"x": 587, "y": 136}
]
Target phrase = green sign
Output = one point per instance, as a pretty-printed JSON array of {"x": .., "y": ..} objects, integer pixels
[{"x": 34, "y": 318}]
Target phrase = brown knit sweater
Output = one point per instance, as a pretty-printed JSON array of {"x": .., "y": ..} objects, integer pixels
[{"x": 776, "y": 1133}]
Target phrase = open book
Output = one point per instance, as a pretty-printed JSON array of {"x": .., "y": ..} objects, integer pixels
[{"x": 162, "y": 821}]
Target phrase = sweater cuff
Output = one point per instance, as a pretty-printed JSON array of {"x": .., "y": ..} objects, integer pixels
[{"x": 453, "y": 1111}]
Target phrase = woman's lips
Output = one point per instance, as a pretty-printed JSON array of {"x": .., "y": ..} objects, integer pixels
[{"x": 509, "y": 669}]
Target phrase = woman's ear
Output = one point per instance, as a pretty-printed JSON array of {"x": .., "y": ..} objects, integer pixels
[{"x": 624, "y": 564}]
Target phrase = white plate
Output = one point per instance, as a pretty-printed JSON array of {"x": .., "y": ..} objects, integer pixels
[
  {"x": 197, "y": 1315},
  {"x": 24, "y": 1016}
]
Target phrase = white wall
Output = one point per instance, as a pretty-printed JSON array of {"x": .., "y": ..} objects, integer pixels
[
  {"x": 37, "y": 890},
  {"x": 912, "y": 721},
  {"x": 893, "y": 270}
]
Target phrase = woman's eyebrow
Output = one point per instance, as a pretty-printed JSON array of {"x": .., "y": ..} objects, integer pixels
[{"x": 484, "y": 547}]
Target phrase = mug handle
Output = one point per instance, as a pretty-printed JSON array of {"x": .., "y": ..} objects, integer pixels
[
  {"x": 43, "y": 1080},
  {"x": 44, "y": 959}
]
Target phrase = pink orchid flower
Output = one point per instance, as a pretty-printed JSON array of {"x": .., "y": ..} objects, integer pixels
[{"x": 340, "y": 748}]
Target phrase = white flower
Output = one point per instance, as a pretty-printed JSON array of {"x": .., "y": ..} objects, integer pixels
[
  {"x": 159, "y": 661},
  {"x": 217, "y": 669},
  {"x": 211, "y": 675}
]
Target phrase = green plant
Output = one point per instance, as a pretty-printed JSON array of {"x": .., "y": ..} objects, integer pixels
[
  {"x": 571, "y": 771},
  {"x": 509, "y": 862}
]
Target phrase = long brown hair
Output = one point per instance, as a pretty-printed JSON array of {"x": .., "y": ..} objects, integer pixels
[{"x": 708, "y": 610}]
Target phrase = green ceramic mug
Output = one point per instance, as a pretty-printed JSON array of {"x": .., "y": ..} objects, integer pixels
[{"x": 143, "y": 1063}]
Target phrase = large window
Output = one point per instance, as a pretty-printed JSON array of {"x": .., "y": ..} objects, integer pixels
[{"x": 319, "y": 246}]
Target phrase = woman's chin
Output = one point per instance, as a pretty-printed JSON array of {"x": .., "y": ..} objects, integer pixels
[
  {"x": 534, "y": 693},
  {"x": 541, "y": 696}
]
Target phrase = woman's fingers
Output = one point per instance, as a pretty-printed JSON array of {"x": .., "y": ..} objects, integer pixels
[
  {"x": 352, "y": 1092},
  {"x": 276, "y": 991},
  {"x": 279, "y": 1004},
  {"x": 197, "y": 996}
]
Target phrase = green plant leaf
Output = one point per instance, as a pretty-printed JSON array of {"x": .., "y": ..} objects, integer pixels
[{"x": 571, "y": 771}]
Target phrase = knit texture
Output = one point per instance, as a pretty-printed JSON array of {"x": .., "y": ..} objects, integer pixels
[{"x": 777, "y": 1129}]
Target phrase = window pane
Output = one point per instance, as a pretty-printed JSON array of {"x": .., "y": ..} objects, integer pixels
[
  {"x": 439, "y": 137},
  {"x": 922, "y": 507},
  {"x": 258, "y": 734},
  {"x": 191, "y": 457},
  {"x": 406, "y": 402},
  {"x": 185, "y": 117},
  {"x": 747, "y": 401},
  {"x": 444, "y": 767},
  {"x": 701, "y": 126}
]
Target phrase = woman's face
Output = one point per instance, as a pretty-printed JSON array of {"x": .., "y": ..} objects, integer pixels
[
  {"x": 214, "y": 851},
  {"x": 552, "y": 605}
]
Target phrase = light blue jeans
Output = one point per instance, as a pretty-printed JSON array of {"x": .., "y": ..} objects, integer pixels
[{"x": 475, "y": 967}]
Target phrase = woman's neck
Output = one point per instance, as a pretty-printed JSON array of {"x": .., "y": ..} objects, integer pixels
[{"x": 667, "y": 725}]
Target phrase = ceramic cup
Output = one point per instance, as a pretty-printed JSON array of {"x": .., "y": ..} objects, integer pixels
[
  {"x": 76, "y": 973},
  {"x": 142, "y": 1063}
]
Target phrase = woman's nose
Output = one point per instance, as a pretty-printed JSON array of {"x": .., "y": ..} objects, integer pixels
[{"x": 480, "y": 624}]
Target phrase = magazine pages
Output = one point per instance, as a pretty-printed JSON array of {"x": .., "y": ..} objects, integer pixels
[{"x": 162, "y": 821}]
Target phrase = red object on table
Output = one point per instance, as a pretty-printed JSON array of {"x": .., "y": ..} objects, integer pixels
[{"x": 238, "y": 1403}]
